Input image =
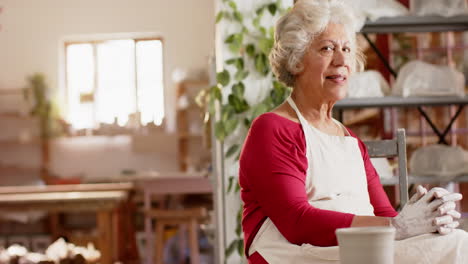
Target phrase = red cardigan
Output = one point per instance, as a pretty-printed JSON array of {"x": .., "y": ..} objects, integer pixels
[{"x": 272, "y": 174}]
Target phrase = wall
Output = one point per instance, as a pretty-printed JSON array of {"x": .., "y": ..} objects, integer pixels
[{"x": 32, "y": 34}]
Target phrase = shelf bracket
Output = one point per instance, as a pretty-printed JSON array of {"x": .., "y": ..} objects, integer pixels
[
  {"x": 380, "y": 55},
  {"x": 447, "y": 129}
]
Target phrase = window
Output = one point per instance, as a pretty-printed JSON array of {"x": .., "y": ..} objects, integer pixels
[{"x": 110, "y": 81}]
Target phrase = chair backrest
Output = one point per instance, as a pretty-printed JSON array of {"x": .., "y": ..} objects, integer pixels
[{"x": 393, "y": 148}]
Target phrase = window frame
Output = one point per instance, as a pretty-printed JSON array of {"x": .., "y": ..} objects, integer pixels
[{"x": 98, "y": 40}]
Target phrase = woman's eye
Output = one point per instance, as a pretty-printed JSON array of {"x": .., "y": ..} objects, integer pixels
[
  {"x": 346, "y": 49},
  {"x": 327, "y": 48}
]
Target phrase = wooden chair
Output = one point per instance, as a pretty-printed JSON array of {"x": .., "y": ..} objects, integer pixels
[
  {"x": 190, "y": 218},
  {"x": 393, "y": 148}
]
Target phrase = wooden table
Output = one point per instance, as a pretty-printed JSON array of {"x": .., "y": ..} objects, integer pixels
[
  {"x": 167, "y": 184},
  {"x": 103, "y": 199}
]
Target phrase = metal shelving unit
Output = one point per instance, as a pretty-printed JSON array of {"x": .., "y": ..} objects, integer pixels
[
  {"x": 397, "y": 101},
  {"x": 416, "y": 24},
  {"x": 410, "y": 24}
]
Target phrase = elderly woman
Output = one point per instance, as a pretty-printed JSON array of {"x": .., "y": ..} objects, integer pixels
[{"x": 303, "y": 174}]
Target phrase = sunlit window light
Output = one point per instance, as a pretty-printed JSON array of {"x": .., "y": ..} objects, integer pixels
[
  {"x": 124, "y": 84},
  {"x": 150, "y": 81}
]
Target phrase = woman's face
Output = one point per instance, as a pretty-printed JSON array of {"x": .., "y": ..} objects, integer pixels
[{"x": 328, "y": 64}]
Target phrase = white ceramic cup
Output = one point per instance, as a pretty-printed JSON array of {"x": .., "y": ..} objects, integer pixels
[{"x": 373, "y": 245}]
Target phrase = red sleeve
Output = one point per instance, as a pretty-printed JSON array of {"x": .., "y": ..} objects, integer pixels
[
  {"x": 377, "y": 195},
  {"x": 273, "y": 170}
]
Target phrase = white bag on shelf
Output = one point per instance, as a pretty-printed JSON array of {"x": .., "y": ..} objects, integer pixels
[
  {"x": 438, "y": 7},
  {"x": 439, "y": 160},
  {"x": 367, "y": 84},
  {"x": 374, "y": 9},
  {"x": 418, "y": 78}
]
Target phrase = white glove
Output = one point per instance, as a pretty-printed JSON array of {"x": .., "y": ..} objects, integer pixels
[
  {"x": 421, "y": 215},
  {"x": 447, "y": 222}
]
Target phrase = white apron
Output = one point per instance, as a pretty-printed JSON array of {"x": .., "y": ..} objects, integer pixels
[{"x": 336, "y": 180}]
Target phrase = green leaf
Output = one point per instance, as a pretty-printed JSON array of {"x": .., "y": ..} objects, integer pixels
[
  {"x": 230, "y": 249},
  {"x": 238, "y": 16},
  {"x": 230, "y": 125},
  {"x": 233, "y": 5},
  {"x": 263, "y": 30},
  {"x": 230, "y": 183},
  {"x": 238, "y": 89},
  {"x": 223, "y": 78},
  {"x": 241, "y": 75},
  {"x": 247, "y": 122},
  {"x": 232, "y": 150},
  {"x": 227, "y": 112},
  {"x": 236, "y": 42},
  {"x": 256, "y": 22},
  {"x": 231, "y": 61},
  {"x": 220, "y": 132},
  {"x": 219, "y": 16},
  {"x": 215, "y": 93},
  {"x": 237, "y": 189},
  {"x": 230, "y": 39},
  {"x": 239, "y": 231},
  {"x": 239, "y": 104},
  {"x": 260, "y": 10},
  {"x": 265, "y": 45},
  {"x": 261, "y": 64},
  {"x": 272, "y": 8},
  {"x": 278, "y": 85},
  {"x": 259, "y": 109},
  {"x": 239, "y": 63},
  {"x": 250, "y": 49},
  {"x": 240, "y": 247}
]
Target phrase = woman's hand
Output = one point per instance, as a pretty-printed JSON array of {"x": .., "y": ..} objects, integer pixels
[{"x": 427, "y": 212}]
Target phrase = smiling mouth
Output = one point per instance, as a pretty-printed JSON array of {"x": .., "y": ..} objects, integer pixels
[{"x": 336, "y": 77}]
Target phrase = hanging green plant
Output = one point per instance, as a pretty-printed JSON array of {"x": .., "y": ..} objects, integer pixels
[{"x": 250, "y": 50}]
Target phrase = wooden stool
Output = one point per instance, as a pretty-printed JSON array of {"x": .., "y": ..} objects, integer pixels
[{"x": 190, "y": 217}]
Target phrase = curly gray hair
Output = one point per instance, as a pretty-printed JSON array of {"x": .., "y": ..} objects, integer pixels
[{"x": 296, "y": 30}]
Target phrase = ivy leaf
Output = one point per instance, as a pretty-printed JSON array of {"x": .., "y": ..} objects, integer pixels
[
  {"x": 227, "y": 112},
  {"x": 260, "y": 10},
  {"x": 231, "y": 61},
  {"x": 272, "y": 33},
  {"x": 238, "y": 16},
  {"x": 238, "y": 233},
  {"x": 256, "y": 22},
  {"x": 261, "y": 64},
  {"x": 220, "y": 132},
  {"x": 230, "y": 184},
  {"x": 235, "y": 42},
  {"x": 230, "y": 125},
  {"x": 215, "y": 93},
  {"x": 265, "y": 45},
  {"x": 247, "y": 122},
  {"x": 230, "y": 249},
  {"x": 238, "y": 89},
  {"x": 237, "y": 189},
  {"x": 223, "y": 78},
  {"x": 230, "y": 39},
  {"x": 240, "y": 247},
  {"x": 233, "y": 5},
  {"x": 260, "y": 109},
  {"x": 219, "y": 16},
  {"x": 232, "y": 150},
  {"x": 239, "y": 104},
  {"x": 239, "y": 64},
  {"x": 250, "y": 49},
  {"x": 241, "y": 75},
  {"x": 272, "y": 8}
]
